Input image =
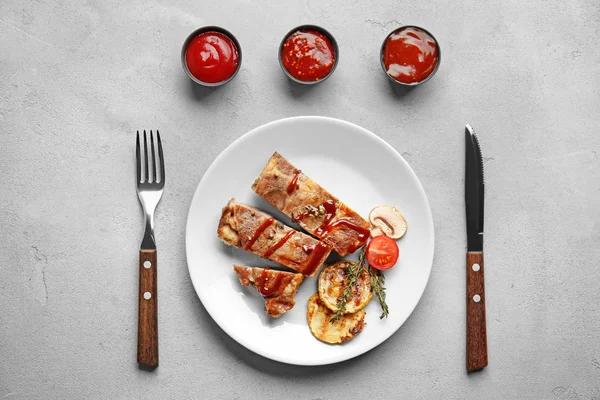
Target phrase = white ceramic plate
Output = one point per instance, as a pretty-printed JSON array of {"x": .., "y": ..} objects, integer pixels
[{"x": 356, "y": 166}]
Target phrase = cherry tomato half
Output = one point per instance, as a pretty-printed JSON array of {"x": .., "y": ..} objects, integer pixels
[{"x": 382, "y": 253}]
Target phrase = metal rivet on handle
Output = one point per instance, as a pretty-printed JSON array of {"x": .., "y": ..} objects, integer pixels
[
  {"x": 147, "y": 264},
  {"x": 476, "y": 267},
  {"x": 477, "y": 298},
  {"x": 147, "y": 295}
]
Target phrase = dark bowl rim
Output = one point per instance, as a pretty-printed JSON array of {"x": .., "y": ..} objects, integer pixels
[
  {"x": 204, "y": 29},
  {"x": 318, "y": 28},
  {"x": 437, "y": 65}
]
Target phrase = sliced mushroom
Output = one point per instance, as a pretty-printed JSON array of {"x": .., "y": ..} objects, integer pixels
[{"x": 389, "y": 221}]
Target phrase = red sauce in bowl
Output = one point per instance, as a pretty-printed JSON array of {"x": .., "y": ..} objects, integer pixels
[
  {"x": 410, "y": 55},
  {"x": 212, "y": 57},
  {"x": 308, "y": 55}
]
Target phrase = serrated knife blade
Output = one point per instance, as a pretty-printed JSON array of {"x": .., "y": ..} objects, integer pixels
[{"x": 474, "y": 190}]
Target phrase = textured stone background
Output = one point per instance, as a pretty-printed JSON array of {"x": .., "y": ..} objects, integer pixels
[{"x": 78, "y": 78}]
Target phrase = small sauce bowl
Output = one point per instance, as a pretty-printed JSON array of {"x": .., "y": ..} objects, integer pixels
[
  {"x": 321, "y": 34},
  {"x": 199, "y": 32},
  {"x": 419, "y": 42}
]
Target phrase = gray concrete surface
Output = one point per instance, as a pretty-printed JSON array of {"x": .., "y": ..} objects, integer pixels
[{"x": 78, "y": 78}]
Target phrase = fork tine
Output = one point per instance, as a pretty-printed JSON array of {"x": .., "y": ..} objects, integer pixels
[
  {"x": 146, "y": 171},
  {"x": 153, "y": 157},
  {"x": 161, "y": 159},
  {"x": 137, "y": 157}
]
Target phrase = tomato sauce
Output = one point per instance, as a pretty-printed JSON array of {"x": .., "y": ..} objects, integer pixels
[
  {"x": 410, "y": 55},
  {"x": 308, "y": 55},
  {"x": 212, "y": 57}
]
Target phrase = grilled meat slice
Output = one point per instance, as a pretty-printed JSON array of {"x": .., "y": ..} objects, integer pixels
[
  {"x": 259, "y": 233},
  {"x": 311, "y": 206},
  {"x": 277, "y": 287}
]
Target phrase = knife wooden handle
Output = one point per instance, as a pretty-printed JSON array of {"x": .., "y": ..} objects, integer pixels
[
  {"x": 477, "y": 357},
  {"x": 147, "y": 352}
]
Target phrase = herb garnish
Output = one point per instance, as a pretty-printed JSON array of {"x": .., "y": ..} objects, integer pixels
[
  {"x": 306, "y": 211},
  {"x": 377, "y": 282},
  {"x": 353, "y": 271}
]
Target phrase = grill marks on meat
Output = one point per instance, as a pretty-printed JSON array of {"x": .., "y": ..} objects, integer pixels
[
  {"x": 281, "y": 287},
  {"x": 246, "y": 227},
  {"x": 307, "y": 204}
]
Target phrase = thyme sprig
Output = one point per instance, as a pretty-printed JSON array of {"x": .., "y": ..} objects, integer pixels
[
  {"x": 377, "y": 282},
  {"x": 353, "y": 271}
]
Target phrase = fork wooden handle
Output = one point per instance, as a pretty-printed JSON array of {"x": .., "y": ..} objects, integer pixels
[
  {"x": 147, "y": 352},
  {"x": 477, "y": 357}
]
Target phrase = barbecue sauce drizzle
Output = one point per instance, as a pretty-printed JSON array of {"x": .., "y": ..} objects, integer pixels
[
  {"x": 327, "y": 226},
  {"x": 316, "y": 255},
  {"x": 280, "y": 243},
  {"x": 363, "y": 234},
  {"x": 294, "y": 182},
  {"x": 258, "y": 232},
  {"x": 330, "y": 210},
  {"x": 263, "y": 281}
]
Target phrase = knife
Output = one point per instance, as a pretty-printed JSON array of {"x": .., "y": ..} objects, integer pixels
[{"x": 477, "y": 357}]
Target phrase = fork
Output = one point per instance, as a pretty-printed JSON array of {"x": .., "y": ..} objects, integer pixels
[{"x": 149, "y": 192}]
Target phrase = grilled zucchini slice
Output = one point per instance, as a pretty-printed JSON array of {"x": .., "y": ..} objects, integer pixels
[
  {"x": 337, "y": 332},
  {"x": 332, "y": 281}
]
